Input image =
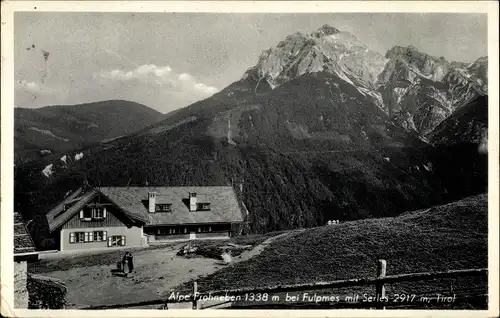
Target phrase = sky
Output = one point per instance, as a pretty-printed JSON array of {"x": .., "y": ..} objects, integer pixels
[{"x": 170, "y": 60}]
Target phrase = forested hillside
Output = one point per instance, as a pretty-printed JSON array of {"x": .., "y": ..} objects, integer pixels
[{"x": 55, "y": 129}]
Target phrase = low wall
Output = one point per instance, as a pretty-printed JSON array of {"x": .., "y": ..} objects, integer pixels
[
  {"x": 212, "y": 234},
  {"x": 185, "y": 237},
  {"x": 171, "y": 237}
]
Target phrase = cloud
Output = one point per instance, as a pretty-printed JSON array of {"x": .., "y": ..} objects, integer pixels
[
  {"x": 162, "y": 76},
  {"x": 33, "y": 88},
  {"x": 185, "y": 77},
  {"x": 142, "y": 73},
  {"x": 206, "y": 89},
  {"x": 28, "y": 86}
]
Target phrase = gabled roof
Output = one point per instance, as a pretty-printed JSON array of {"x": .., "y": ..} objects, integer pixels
[
  {"x": 58, "y": 216},
  {"x": 23, "y": 243},
  {"x": 132, "y": 201},
  {"x": 224, "y": 205}
]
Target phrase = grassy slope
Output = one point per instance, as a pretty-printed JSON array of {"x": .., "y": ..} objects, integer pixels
[{"x": 452, "y": 236}]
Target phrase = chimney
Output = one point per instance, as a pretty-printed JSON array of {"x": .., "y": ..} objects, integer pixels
[
  {"x": 152, "y": 201},
  {"x": 192, "y": 201},
  {"x": 86, "y": 186}
]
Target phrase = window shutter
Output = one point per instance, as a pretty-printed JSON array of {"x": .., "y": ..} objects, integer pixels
[
  {"x": 81, "y": 214},
  {"x": 91, "y": 236},
  {"x": 86, "y": 236},
  {"x": 110, "y": 241},
  {"x": 72, "y": 237},
  {"x": 104, "y": 213},
  {"x": 104, "y": 236},
  {"x": 123, "y": 240}
]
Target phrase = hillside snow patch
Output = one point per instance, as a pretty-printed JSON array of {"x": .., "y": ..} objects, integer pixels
[
  {"x": 48, "y": 133},
  {"x": 47, "y": 171}
]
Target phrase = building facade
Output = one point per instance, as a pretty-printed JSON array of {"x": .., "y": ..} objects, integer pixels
[{"x": 117, "y": 217}]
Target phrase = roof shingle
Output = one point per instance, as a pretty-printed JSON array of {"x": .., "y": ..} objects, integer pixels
[
  {"x": 23, "y": 243},
  {"x": 224, "y": 205}
]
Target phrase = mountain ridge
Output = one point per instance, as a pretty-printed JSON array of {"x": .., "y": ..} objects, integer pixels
[{"x": 59, "y": 128}]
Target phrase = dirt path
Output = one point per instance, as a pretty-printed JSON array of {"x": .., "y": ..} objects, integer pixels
[
  {"x": 157, "y": 272},
  {"x": 259, "y": 248}
]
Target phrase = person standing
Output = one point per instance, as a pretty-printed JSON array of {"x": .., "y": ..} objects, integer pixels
[
  {"x": 130, "y": 261},
  {"x": 125, "y": 264}
]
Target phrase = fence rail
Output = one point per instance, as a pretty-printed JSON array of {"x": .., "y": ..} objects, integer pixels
[{"x": 379, "y": 282}]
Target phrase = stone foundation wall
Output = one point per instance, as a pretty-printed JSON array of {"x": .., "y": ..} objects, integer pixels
[{"x": 21, "y": 296}]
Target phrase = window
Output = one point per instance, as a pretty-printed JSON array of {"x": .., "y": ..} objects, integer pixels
[
  {"x": 163, "y": 207},
  {"x": 204, "y": 229},
  {"x": 116, "y": 240},
  {"x": 203, "y": 207},
  {"x": 174, "y": 230},
  {"x": 87, "y": 237},
  {"x": 87, "y": 214},
  {"x": 97, "y": 213},
  {"x": 93, "y": 213},
  {"x": 99, "y": 236},
  {"x": 79, "y": 237}
]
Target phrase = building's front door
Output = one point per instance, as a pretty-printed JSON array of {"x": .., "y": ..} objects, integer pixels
[{"x": 192, "y": 235}]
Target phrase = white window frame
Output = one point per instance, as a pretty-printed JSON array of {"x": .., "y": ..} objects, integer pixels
[
  {"x": 78, "y": 236},
  {"x": 84, "y": 214},
  {"x": 163, "y": 207},
  {"x": 87, "y": 237},
  {"x": 88, "y": 214},
  {"x": 96, "y": 237},
  {"x": 116, "y": 240},
  {"x": 98, "y": 212}
]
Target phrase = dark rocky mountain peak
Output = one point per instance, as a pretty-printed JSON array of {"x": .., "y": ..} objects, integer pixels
[
  {"x": 327, "y": 50},
  {"x": 419, "y": 63},
  {"x": 326, "y": 30}
]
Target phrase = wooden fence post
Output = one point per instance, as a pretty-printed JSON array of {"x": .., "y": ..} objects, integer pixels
[
  {"x": 195, "y": 295},
  {"x": 379, "y": 287}
]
